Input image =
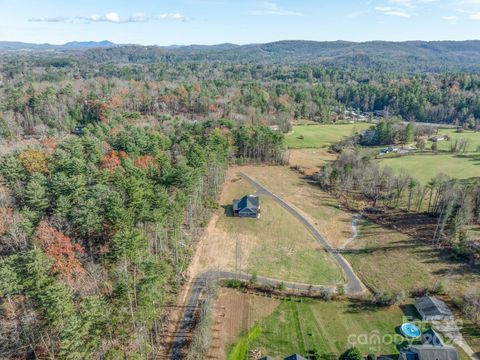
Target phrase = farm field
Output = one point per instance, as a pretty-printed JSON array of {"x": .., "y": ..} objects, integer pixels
[
  {"x": 424, "y": 167},
  {"x": 277, "y": 245},
  {"x": 472, "y": 137},
  {"x": 321, "y": 136},
  {"x": 305, "y": 326}
]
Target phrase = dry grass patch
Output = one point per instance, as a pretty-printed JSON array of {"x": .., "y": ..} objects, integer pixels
[
  {"x": 277, "y": 245},
  {"x": 386, "y": 259},
  {"x": 309, "y": 161},
  {"x": 236, "y": 312},
  {"x": 321, "y": 208}
]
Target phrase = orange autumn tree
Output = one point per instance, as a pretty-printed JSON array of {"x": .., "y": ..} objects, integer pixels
[
  {"x": 145, "y": 162},
  {"x": 34, "y": 161},
  {"x": 112, "y": 160},
  {"x": 59, "y": 247}
]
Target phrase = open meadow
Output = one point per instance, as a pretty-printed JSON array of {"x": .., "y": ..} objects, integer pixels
[
  {"x": 424, "y": 167},
  {"x": 321, "y": 208},
  {"x": 321, "y": 136},
  {"x": 277, "y": 245},
  {"x": 473, "y": 139}
]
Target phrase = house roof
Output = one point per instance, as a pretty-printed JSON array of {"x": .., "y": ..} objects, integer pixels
[
  {"x": 295, "y": 357},
  {"x": 429, "y": 352},
  {"x": 431, "y": 306},
  {"x": 251, "y": 202},
  {"x": 430, "y": 337}
]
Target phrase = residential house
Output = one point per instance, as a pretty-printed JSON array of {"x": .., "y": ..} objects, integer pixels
[
  {"x": 247, "y": 207},
  {"x": 429, "y": 352}
]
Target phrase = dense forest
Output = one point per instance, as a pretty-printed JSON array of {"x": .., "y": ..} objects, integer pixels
[
  {"x": 51, "y": 93},
  {"x": 96, "y": 233}
]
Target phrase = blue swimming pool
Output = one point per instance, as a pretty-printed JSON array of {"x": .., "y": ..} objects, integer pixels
[{"x": 410, "y": 330}]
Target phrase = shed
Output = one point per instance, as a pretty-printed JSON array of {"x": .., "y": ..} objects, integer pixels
[
  {"x": 429, "y": 352},
  {"x": 433, "y": 309},
  {"x": 247, "y": 207}
]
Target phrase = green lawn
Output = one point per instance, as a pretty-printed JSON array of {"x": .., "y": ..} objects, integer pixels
[
  {"x": 278, "y": 246},
  {"x": 319, "y": 136},
  {"x": 472, "y": 137},
  {"x": 424, "y": 167},
  {"x": 329, "y": 328}
]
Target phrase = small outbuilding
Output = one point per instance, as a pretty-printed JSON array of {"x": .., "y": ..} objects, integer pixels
[
  {"x": 247, "y": 207},
  {"x": 433, "y": 309}
]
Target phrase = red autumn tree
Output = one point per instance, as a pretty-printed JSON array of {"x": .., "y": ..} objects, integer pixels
[
  {"x": 59, "y": 247},
  {"x": 112, "y": 160}
]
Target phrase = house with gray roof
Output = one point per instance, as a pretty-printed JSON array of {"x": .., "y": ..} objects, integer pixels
[
  {"x": 429, "y": 352},
  {"x": 247, "y": 207},
  {"x": 433, "y": 309}
]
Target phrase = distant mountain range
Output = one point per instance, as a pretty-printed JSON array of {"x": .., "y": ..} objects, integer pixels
[
  {"x": 74, "y": 45},
  {"x": 402, "y": 56}
]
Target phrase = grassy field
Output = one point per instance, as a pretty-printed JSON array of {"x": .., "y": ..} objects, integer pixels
[
  {"x": 327, "y": 328},
  {"x": 320, "y": 207},
  {"x": 320, "y": 136},
  {"x": 472, "y": 137},
  {"x": 386, "y": 259},
  {"x": 277, "y": 245},
  {"x": 424, "y": 167}
]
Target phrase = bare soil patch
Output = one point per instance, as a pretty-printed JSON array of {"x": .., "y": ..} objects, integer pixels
[{"x": 235, "y": 312}]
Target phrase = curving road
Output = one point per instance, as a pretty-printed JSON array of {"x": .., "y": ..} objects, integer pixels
[
  {"x": 354, "y": 285},
  {"x": 200, "y": 283},
  {"x": 197, "y": 285}
]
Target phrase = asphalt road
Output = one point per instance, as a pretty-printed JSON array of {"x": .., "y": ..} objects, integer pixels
[{"x": 354, "y": 285}]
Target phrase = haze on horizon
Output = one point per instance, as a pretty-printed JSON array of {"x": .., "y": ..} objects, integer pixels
[{"x": 209, "y": 22}]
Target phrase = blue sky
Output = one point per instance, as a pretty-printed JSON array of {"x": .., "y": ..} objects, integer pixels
[{"x": 166, "y": 22}]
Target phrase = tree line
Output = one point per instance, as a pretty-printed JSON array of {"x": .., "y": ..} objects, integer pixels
[{"x": 45, "y": 95}]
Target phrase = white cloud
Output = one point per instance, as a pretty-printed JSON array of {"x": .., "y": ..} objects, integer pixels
[
  {"x": 393, "y": 11},
  {"x": 51, "y": 19},
  {"x": 475, "y": 16},
  {"x": 271, "y": 8},
  {"x": 451, "y": 19},
  {"x": 114, "y": 18}
]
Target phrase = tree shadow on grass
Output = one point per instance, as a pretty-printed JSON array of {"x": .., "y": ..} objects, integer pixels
[
  {"x": 357, "y": 306},
  {"x": 410, "y": 312}
]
